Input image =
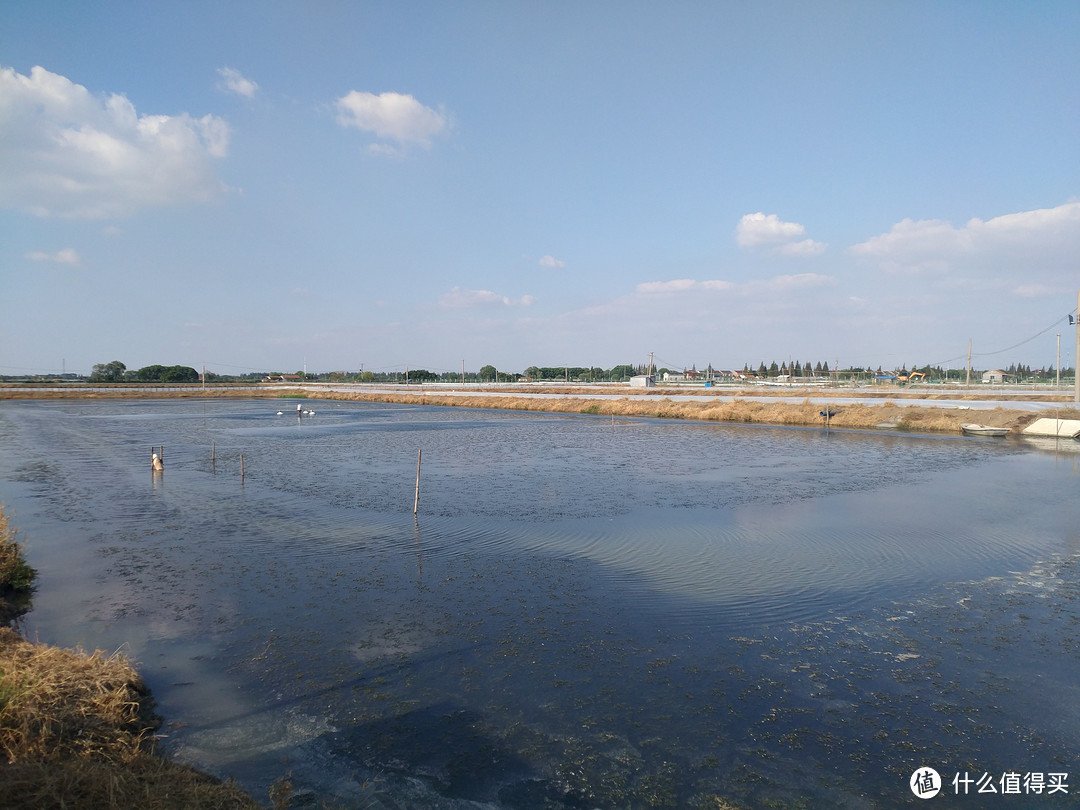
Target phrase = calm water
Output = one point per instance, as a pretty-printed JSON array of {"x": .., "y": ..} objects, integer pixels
[{"x": 584, "y": 613}]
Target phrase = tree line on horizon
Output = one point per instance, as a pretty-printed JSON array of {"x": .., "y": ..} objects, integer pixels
[{"x": 117, "y": 372}]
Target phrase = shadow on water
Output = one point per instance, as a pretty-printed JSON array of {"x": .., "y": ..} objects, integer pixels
[{"x": 14, "y": 604}]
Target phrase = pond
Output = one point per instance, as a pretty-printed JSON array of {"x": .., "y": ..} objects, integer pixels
[{"x": 584, "y": 612}]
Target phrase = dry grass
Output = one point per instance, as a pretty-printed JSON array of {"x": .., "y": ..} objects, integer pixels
[
  {"x": 77, "y": 730},
  {"x": 145, "y": 783},
  {"x": 57, "y": 704}
]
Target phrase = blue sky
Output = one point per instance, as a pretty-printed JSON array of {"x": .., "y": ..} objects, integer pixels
[{"x": 257, "y": 186}]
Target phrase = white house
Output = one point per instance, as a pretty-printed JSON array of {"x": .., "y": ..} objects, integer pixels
[{"x": 995, "y": 376}]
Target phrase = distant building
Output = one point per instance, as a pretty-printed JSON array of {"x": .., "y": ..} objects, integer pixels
[
  {"x": 642, "y": 381},
  {"x": 995, "y": 376}
]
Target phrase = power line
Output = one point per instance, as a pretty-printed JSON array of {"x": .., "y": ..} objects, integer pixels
[{"x": 1056, "y": 323}]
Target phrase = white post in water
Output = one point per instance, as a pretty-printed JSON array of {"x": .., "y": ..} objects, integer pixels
[{"x": 416, "y": 499}]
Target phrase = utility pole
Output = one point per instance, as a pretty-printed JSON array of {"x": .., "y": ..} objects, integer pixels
[
  {"x": 1076, "y": 354},
  {"x": 1057, "y": 366},
  {"x": 967, "y": 380}
]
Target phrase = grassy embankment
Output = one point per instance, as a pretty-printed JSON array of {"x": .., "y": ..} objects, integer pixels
[
  {"x": 769, "y": 406},
  {"x": 77, "y": 730}
]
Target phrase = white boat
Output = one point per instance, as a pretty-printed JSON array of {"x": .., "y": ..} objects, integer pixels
[{"x": 983, "y": 430}]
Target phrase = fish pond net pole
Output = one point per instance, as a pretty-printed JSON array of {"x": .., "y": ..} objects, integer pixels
[{"x": 416, "y": 499}]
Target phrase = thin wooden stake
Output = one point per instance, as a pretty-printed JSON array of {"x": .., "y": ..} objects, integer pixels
[
  {"x": 416, "y": 500},
  {"x": 241, "y": 468}
]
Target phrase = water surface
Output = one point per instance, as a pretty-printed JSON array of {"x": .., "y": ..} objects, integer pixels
[{"x": 584, "y": 613}]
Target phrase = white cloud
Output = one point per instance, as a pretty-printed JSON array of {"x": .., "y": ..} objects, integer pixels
[
  {"x": 775, "y": 284},
  {"x": 682, "y": 285},
  {"x": 65, "y": 256},
  {"x": 758, "y": 229},
  {"x": 769, "y": 231},
  {"x": 1033, "y": 291},
  {"x": 798, "y": 281},
  {"x": 1025, "y": 242},
  {"x": 65, "y": 152},
  {"x": 804, "y": 247},
  {"x": 394, "y": 117},
  {"x": 232, "y": 81},
  {"x": 458, "y": 298},
  {"x": 551, "y": 261}
]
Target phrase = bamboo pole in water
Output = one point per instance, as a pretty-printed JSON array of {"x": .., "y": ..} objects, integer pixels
[
  {"x": 241, "y": 468},
  {"x": 416, "y": 500}
]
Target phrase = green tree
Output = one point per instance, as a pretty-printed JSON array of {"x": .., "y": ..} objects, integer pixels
[
  {"x": 167, "y": 374},
  {"x": 108, "y": 372},
  {"x": 180, "y": 374},
  {"x": 149, "y": 374},
  {"x": 487, "y": 373},
  {"x": 774, "y": 370}
]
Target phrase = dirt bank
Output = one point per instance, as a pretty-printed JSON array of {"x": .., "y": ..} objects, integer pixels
[
  {"x": 868, "y": 415},
  {"x": 769, "y": 406}
]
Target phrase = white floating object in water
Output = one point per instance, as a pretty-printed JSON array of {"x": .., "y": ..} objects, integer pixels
[{"x": 1049, "y": 426}]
